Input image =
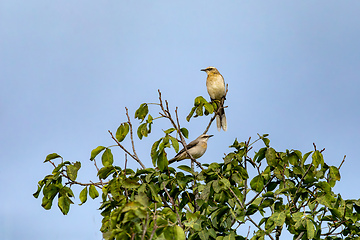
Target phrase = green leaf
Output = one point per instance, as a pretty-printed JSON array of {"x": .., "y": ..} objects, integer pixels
[
  {"x": 142, "y": 131},
  {"x": 306, "y": 155},
  {"x": 257, "y": 183},
  {"x": 154, "y": 192},
  {"x": 174, "y": 232},
  {"x": 104, "y": 172},
  {"x": 93, "y": 192},
  {"x": 199, "y": 111},
  {"x": 83, "y": 195},
  {"x": 204, "y": 235},
  {"x": 154, "y": 153},
  {"x": 293, "y": 159},
  {"x": 216, "y": 186},
  {"x": 64, "y": 204},
  {"x": 170, "y": 130},
  {"x": 40, "y": 186},
  {"x": 251, "y": 209},
  {"x": 184, "y": 132},
  {"x": 278, "y": 218},
  {"x": 96, "y": 151},
  {"x": 190, "y": 114},
  {"x": 52, "y": 156},
  {"x": 162, "y": 161},
  {"x": 334, "y": 173},
  {"x": 46, "y": 203},
  {"x": 175, "y": 144},
  {"x": 142, "y": 111},
  {"x": 225, "y": 182},
  {"x": 325, "y": 200},
  {"x": 299, "y": 170},
  {"x": 131, "y": 183},
  {"x": 324, "y": 186},
  {"x": 267, "y": 202},
  {"x": 271, "y": 157},
  {"x": 310, "y": 229},
  {"x": 266, "y": 142},
  {"x": 260, "y": 155},
  {"x": 199, "y": 101},
  {"x": 317, "y": 158},
  {"x": 209, "y": 108},
  {"x": 122, "y": 131},
  {"x": 72, "y": 170},
  {"x": 186, "y": 169},
  {"x": 107, "y": 158}
]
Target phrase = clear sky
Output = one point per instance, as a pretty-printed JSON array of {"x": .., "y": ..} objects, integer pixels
[{"x": 69, "y": 68}]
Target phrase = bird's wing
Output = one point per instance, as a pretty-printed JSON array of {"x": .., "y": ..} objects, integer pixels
[{"x": 189, "y": 146}]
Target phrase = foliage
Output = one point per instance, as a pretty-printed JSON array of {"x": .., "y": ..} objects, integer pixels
[{"x": 281, "y": 189}]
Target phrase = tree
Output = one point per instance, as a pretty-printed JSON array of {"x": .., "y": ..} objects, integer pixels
[{"x": 269, "y": 189}]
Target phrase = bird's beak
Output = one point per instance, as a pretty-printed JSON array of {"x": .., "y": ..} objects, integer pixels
[
  {"x": 210, "y": 136},
  {"x": 203, "y": 70}
]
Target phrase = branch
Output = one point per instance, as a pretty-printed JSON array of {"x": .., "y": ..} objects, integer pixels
[
  {"x": 155, "y": 225},
  {"x": 342, "y": 162},
  {"x": 166, "y": 113},
  {"x": 300, "y": 236},
  {"x": 260, "y": 228},
  {"x": 174, "y": 206},
  {"x": 131, "y": 133},
  {"x": 253, "y": 199},
  {"x": 301, "y": 180},
  {"x": 71, "y": 182},
  {"x": 125, "y": 150}
]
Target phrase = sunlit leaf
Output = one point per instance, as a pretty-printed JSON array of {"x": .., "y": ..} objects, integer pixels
[
  {"x": 334, "y": 173},
  {"x": 142, "y": 111},
  {"x": 175, "y": 144},
  {"x": 257, "y": 183},
  {"x": 278, "y": 218},
  {"x": 83, "y": 195},
  {"x": 93, "y": 192},
  {"x": 122, "y": 131},
  {"x": 96, "y": 151},
  {"x": 310, "y": 229},
  {"x": 271, "y": 157},
  {"x": 162, "y": 161},
  {"x": 185, "y": 132},
  {"x": 64, "y": 204},
  {"x": 72, "y": 171},
  {"x": 52, "y": 156},
  {"x": 107, "y": 158}
]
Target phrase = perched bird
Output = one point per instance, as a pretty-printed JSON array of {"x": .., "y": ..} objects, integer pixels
[
  {"x": 196, "y": 149},
  {"x": 216, "y": 88}
]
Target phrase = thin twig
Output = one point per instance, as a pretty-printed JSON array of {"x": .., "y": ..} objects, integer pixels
[
  {"x": 71, "y": 182},
  {"x": 145, "y": 226},
  {"x": 126, "y": 192},
  {"x": 253, "y": 199},
  {"x": 174, "y": 206},
  {"x": 259, "y": 227},
  {"x": 125, "y": 150},
  {"x": 155, "y": 225},
  {"x": 342, "y": 162},
  {"x": 300, "y": 236},
  {"x": 131, "y": 133},
  {"x": 166, "y": 113}
]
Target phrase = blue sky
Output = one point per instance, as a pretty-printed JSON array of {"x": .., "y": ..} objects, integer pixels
[{"x": 69, "y": 68}]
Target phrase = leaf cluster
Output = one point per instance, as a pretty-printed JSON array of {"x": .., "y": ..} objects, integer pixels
[{"x": 280, "y": 189}]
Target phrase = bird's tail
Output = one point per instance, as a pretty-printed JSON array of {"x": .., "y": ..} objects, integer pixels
[{"x": 221, "y": 121}]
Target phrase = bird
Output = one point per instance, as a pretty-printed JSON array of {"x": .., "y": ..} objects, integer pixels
[
  {"x": 195, "y": 148},
  {"x": 215, "y": 85}
]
